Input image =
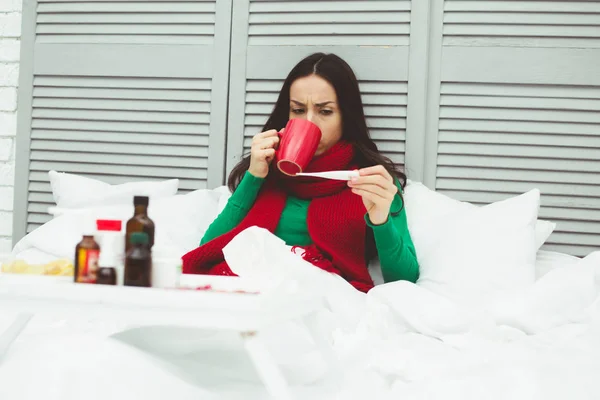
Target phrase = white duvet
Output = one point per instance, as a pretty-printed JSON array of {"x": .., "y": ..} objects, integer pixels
[{"x": 398, "y": 341}]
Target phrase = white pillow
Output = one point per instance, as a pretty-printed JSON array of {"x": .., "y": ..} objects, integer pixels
[
  {"x": 473, "y": 253},
  {"x": 180, "y": 222},
  {"x": 225, "y": 195},
  {"x": 75, "y": 191},
  {"x": 424, "y": 204},
  {"x": 545, "y": 262},
  {"x": 428, "y": 204}
]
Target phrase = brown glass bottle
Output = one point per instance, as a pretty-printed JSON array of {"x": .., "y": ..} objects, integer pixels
[
  {"x": 140, "y": 222},
  {"x": 138, "y": 261},
  {"x": 87, "y": 253},
  {"x": 107, "y": 276}
]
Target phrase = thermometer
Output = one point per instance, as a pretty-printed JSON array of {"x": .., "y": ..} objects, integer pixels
[{"x": 336, "y": 175}]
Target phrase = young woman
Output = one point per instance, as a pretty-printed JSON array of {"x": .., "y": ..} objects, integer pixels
[{"x": 340, "y": 225}]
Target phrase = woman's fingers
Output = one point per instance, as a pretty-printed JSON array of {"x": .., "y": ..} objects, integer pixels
[
  {"x": 262, "y": 152},
  {"x": 375, "y": 192},
  {"x": 378, "y": 180},
  {"x": 265, "y": 154},
  {"x": 266, "y": 143},
  {"x": 265, "y": 134},
  {"x": 376, "y": 170},
  {"x": 372, "y": 197}
]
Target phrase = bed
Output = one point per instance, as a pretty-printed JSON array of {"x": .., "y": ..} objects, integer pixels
[{"x": 493, "y": 315}]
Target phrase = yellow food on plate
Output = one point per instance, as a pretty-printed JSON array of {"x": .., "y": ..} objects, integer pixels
[{"x": 61, "y": 267}]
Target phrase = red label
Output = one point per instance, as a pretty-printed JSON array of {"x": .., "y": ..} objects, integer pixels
[
  {"x": 108, "y": 225},
  {"x": 87, "y": 261}
]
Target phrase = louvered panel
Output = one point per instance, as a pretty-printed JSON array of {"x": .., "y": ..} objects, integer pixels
[
  {"x": 495, "y": 142},
  {"x": 120, "y": 137},
  {"x": 143, "y": 84},
  {"x": 518, "y": 175},
  {"x": 119, "y": 126},
  {"x": 126, "y": 22},
  {"x": 385, "y": 110},
  {"x": 365, "y": 33},
  {"x": 522, "y": 23},
  {"x": 127, "y": 133},
  {"x": 309, "y": 22},
  {"x": 58, "y": 104},
  {"x": 522, "y": 151},
  {"x": 460, "y": 136},
  {"x": 100, "y": 155},
  {"x": 121, "y": 91},
  {"x": 516, "y": 91}
]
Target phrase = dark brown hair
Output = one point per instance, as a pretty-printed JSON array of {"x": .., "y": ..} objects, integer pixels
[{"x": 354, "y": 125}]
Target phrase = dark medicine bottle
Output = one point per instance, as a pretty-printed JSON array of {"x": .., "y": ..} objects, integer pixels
[
  {"x": 107, "y": 272},
  {"x": 138, "y": 261},
  {"x": 140, "y": 222}
]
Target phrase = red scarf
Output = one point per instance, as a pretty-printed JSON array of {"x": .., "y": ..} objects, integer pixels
[{"x": 335, "y": 222}]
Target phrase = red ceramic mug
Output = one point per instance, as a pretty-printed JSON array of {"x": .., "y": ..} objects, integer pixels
[{"x": 297, "y": 146}]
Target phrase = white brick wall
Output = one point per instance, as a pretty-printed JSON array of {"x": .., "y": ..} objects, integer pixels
[{"x": 10, "y": 32}]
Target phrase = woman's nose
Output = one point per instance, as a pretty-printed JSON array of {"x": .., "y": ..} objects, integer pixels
[{"x": 301, "y": 116}]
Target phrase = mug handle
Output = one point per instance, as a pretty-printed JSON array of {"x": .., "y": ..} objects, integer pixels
[{"x": 280, "y": 136}]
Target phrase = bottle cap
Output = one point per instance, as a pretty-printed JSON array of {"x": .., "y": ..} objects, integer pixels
[
  {"x": 139, "y": 238},
  {"x": 140, "y": 200},
  {"x": 113, "y": 225}
]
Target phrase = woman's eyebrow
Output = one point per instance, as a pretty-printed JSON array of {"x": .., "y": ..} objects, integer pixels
[
  {"x": 320, "y": 105},
  {"x": 323, "y": 104}
]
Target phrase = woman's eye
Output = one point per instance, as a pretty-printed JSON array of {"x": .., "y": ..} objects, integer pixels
[
  {"x": 326, "y": 112},
  {"x": 297, "y": 110}
]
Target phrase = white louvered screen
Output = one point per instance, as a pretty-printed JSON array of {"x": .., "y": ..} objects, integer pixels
[
  {"x": 522, "y": 23},
  {"x": 385, "y": 108},
  {"x": 157, "y": 22},
  {"x": 519, "y": 108},
  {"x": 127, "y": 91},
  {"x": 270, "y": 37},
  {"x": 117, "y": 129},
  {"x": 317, "y": 22},
  {"x": 502, "y": 95},
  {"x": 497, "y": 141}
]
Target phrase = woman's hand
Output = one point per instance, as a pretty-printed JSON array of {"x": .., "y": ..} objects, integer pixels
[
  {"x": 262, "y": 152},
  {"x": 376, "y": 187}
]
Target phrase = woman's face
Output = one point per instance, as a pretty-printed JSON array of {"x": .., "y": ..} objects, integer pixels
[{"x": 314, "y": 99}]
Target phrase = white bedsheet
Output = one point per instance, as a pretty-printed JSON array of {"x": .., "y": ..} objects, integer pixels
[{"x": 399, "y": 341}]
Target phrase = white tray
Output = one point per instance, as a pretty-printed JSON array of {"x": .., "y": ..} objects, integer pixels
[{"x": 225, "y": 309}]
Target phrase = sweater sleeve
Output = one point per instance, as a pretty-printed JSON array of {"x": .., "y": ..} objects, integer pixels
[
  {"x": 395, "y": 248},
  {"x": 238, "y": 205}
]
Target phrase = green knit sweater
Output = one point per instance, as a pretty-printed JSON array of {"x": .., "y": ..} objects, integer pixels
[{"x": 395, "y": 248}]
